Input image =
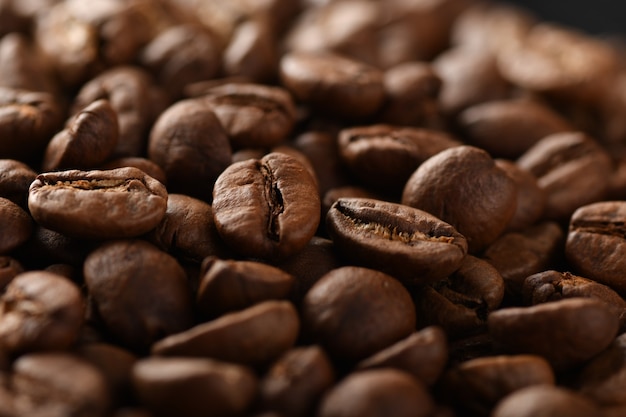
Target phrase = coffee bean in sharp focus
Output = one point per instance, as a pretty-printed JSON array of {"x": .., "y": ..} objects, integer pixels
[{"x": 267, "y": 208}]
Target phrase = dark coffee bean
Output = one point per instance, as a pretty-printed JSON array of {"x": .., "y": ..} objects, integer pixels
[
  {"x": 46, "y": 247},
  {"x": 355, "y": 312},
  {"x": 404, "y": 242},
  {"x": 58, "y": 385},
  {"x": 254, "y": 336},
  {"x": 88, "y": 139},
  {"x": 40, "y": 311},
  {"x": 267, "y": 208},
  {"x": 384, "y": 156},
  {"x": 22, "y": 67},
  {"x": 27, "y": 121},
  {"x": 423, "y": 354},
  {"x": 567, "y": 332},
  {"x": 572, "y": 170},
  {"x": 15, "y": 178},
  {"x": 253, "y": 115},
  {"x": 193, "y": 387},
  {"x": 296, "y": 381},
  {"x": 377, "y": 393},
  {"x": 9, "y": 269},
  {"x": 477, "y": 385},
  {"x": 231, "y": 285},
  {"x": 595, "y": 243},
  {"x": 16, "y": 226},
  {"x": 552, "y": 285},
  {"x": 252, "y": 52},
  {"x": 516, "y": 255},
  {"x": 545, "y": 401},
  {"x": 479, "y": 209},
  {"x": 461, "y": 303},
  {"x": 601, "y": 379},
  {"x": 332, "y": 83},
  {"x": 189, "y": 144},
  {"x": 146, "y": 165},
  {"x": 123, "y": 202},
  {"x": 124, "y": 278}
]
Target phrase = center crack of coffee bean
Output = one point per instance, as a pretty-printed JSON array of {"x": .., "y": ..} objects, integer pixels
[
  {"x": 392, "y": 233},
  {"x": 601, "y": 228},
  {"x": 274, "y": 199},
  {"x": 106, "y": 185}
]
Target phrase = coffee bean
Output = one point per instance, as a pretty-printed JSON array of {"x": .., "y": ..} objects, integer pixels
[
  {"x": 252, "y": 52},
  {"x": 601, "y": 378},
  {"x": 15, "y": 178},
  {"x": 545, "y": 400},
  {"x": 9, "y": 269},
  {"x": 21, "y": 65},
  {"x": 123, "y": 202},
  {"x": 404, "y": 242},
  {"x": 15, "y": 224},
  {"x": 267, "y": 208},
  {"x": 355, "y": 312}
]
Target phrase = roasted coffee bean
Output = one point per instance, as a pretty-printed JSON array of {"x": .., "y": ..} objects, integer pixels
[
  {"x": 123, "y": 202},
  {"x": 15, "y": 178},
  {"x": 190, "y": 145},
  {"x": 571, "y": 168},
  {"x": 228, "y": 285},
  {"x": 545, "y": 401},
  {"x": 552, "y": 285},
  {"x": 595, "y": 243},
  {"x": 187, "y": 230},
  {"x": 88, "y": 139},
  {"x": 477, "y": 385},
  {"x": 193, "y": 387},
  {"x": 423, "y": 354},
  {"x": 567, "y": 332},
  {"x": 252, "y": 52},
  {"x": 465, "y": 188},
  {"x": 516, "y": 255},
  {"x": 22, "y": 67},
  {"x": 404, "y": 242},
  {"x": 124, "y": 278},
  {"x": 181, "y": 55},
  {"x": 461, "y": 303},
  {"x": 333, "y": 83},
  {"x": 377, "y": 393},
  {"x": 508, "y": 128},
  {"x": 267, "y": 208},
  {"x": 27, "y": 121},
  {"x": 16, "y": 226},
  {"x": 58, "y": 385},
  {"x": 355, "y": 312},
  {"x": 127, "y": 89},
  {"x": 40, "y": 311},
  {"x": 254, "y": 336},
  {"x": 9, "y": 269},
  {"x": 384, "y": 156},
  {"x": 296, "y": 381}
]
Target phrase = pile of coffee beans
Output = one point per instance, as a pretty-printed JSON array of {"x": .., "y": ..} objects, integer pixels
[{"x": 309, "y": 208}]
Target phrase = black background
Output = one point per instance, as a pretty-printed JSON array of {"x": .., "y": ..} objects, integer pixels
[{"x": 600, "y": 17}]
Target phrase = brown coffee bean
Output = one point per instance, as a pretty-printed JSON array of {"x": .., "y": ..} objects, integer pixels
[
  {"x": 15, "y": 178},
  {"x": 567, "y": 332},
  {"x": 545, "y": 401},
  {"x": 254, "y": 336},
  {"x": 127, "y": 89},
  {"x": 571, "y": 168},
  {"x": 9, "y": 269},
  {"x": 508, "y": 128},
  {"x": 193, "y": 387},
  {"x": 189, "y": 144},
  {"x": 123, "y": 202},
  {"x": 595, "y": 243},
  {"x": 461, "y": 303},
  {"x": 252, "y": 51},
  {"x": 253, "y": 115},
  {"x": 602, "y": 378},
  {"x": 516, "y": 255},
  {"x": 267, "y": 208},
  {"x": 355, "y": 312},
  {"x": 384, "y": 157},
  {"x": 124, "y": 278},
  {"x": 22, "y": 67},
  {"x": 180, "y": 55},
  {"x": 552, "y": 285},
  {"x": 40, "y": 311},
  {"x": 16, "y": 226},
  {"x": 477, "y": 385},
  {"x": 228, "y": 285},
  {"x": 296, "y": 381},
  {"x": 423, "y": 354},
  {"x": 377, "y": 393},
  {"x": 58, "y": 385},
  {"x": 27, "y": 121},
  {"x": 88, "y": 139},
  {"x": 333, "y": 83},
  {"x": 479, "y": 209}
]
